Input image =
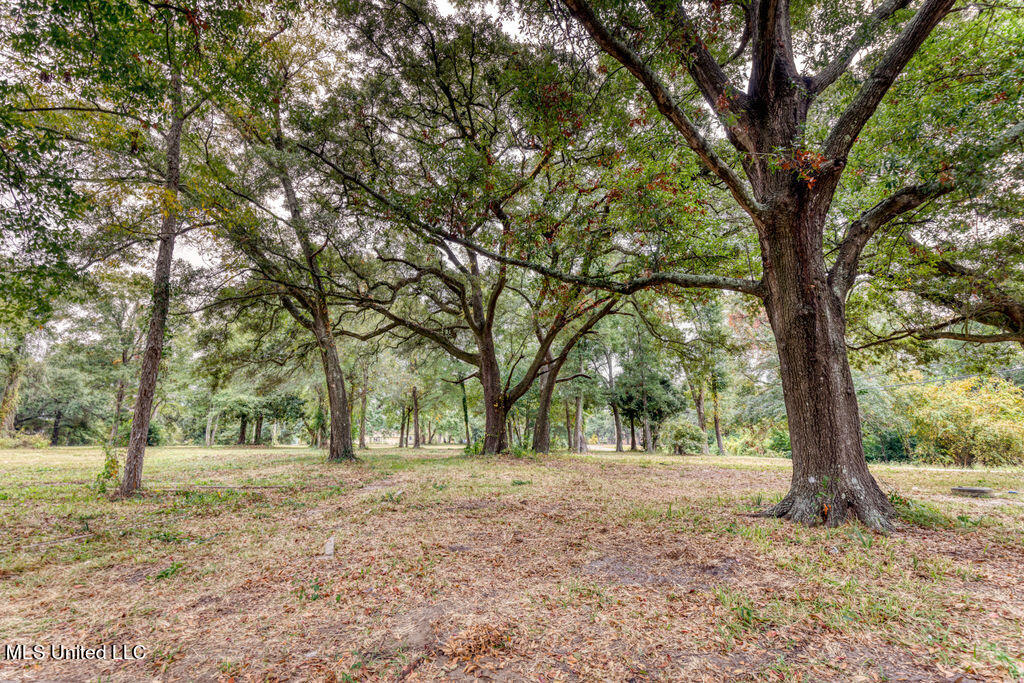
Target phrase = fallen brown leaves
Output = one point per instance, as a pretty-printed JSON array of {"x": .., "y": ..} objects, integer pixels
[
  {"x": 477, "y": 640},
  {"x": 610, "y": 567}
]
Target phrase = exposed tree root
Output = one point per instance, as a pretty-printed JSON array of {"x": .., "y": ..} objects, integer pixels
[{"x": 832, "y": 510}]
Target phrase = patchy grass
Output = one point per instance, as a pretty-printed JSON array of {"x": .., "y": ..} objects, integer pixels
[{"x": 598, "y": 567}]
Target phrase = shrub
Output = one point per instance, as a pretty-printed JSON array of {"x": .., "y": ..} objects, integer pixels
[
  {"x": 778, "y": 441},
  {"x": 682, "y": 436},
  {"x": 24, "y": 440},
  {"x": 888, "y": 445},
  {"x": 766, "y": 438},
  {"x": 107, "y": 479},
  {"x": 966, "y": 422}
]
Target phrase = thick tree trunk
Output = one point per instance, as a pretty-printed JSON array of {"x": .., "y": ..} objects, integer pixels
[
  {"x": 632, "y": 434},
  {"x": 132, "y": 479},
  {"x": 12, "y": 386},
  {"x": 243, "y": 429},
  {"x": 702, "y": 420},
  {"x": 580, "y": 438},
  {"x": 216, "y": 426},
  {"x": 340, "y": 446},
  {"x": 648, "y": 435},
  {"x": 831, "y": 482},
  {"x": 416, "y": 441},
  {"x": 55, "y": 434},
  {"x": 495, "y": 436},
  {"x": 618, "y": 428}
]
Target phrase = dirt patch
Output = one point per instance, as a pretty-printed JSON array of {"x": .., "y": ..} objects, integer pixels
[
  {"x": 654, "y": 571},
  {"x": 413, "y": 631}
]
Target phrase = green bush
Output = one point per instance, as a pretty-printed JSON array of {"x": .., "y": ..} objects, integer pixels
[
  {"x": 24, "y": 440},
  {"x": 157, "y": 435},
  {"x": 683, "y": 437},
  {"x": 967, "y": 422},
  {"x": 778, "y": 441},
  {"x": 888, "y": 446},
  {"x": 766, "y": 438}
]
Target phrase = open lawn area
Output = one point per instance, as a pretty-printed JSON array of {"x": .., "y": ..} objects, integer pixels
[{"x": 564, "y": 567}]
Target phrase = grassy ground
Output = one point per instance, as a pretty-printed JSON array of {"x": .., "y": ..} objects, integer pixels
[{"x": 600, "y": 567}]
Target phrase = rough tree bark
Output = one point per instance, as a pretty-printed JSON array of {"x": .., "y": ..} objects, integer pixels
[
  {"x": 787, "y": 194},
  {"x": 243, "y": 429},
  {"x": 495, "y": 410},
  {"x": 830, "y": 480},
  {"x": 542, "y": 425},
  {"x": 132, "y": 478},
  {"x": 340, "y": 445}
]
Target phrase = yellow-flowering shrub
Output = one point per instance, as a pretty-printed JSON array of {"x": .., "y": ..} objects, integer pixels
[{"x": 966, "y": 422}]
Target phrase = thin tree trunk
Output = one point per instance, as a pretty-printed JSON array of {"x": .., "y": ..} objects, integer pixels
[
  {"x": 257, "y": 431},
  {"x": 465, "y": 412},
  {"x": 580, "y": 438},
  {"x": 617, "y": 420},
  {"x": 542, "y": 424},
  {"x": 208, "y": 434},
  {"x": 632, "y": 434},
  {"x": 118, "y": 404},
  {"x": 569, "y": 428},
  {"x": 416, "y": 442},
  {"x": 716, "y": 415},
  {"x": 132, "y": 479},
  {"x": 698, "y": 401},
  {"x": 55, "y": 434},
  {"x": 216, "y": 426},
  {"x": 362, "y": 416},
  {"x": 401, "y": 429}
]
